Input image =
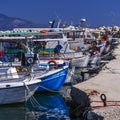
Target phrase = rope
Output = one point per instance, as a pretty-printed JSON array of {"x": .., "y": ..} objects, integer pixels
[
  {"x": 34, "y": 102},
  {"x": 47, "y": 89},
  {"x": 71, "y": 74},
  {"x": 104, "y": 101},
  {"x": 105, "y": 106},
  {"x": 32, "y": 99},
  {"x": 112, "y": 71},
  {"x": 30, "y": 93}
]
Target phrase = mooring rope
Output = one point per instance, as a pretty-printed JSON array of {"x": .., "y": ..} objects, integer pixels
[
  {"x": 47, "y": 89},
  {"x": 104, "y": 101},
  {"x": 30, "y": 93},
  {"x": 113, "y": 71},
  {"x": 33, "y": 101}
]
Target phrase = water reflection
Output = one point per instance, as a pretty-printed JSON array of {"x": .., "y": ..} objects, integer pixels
[{"x": 47, "y": 106}]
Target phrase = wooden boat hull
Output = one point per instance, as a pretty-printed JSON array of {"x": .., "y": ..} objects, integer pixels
[
  {"x": 17, "y": 92},
  {"x": 53, "y": 81}
]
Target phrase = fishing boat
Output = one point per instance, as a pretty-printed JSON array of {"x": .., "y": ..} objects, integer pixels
[
  {"x": 51, "y": 79},
  {"x": 55, "y": 46},
  {"x": 14, "y": 87},
  {"x": 48, "y": 44}
]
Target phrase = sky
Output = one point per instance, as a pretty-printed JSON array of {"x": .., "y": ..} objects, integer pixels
[{"x": 96, "y": 12}]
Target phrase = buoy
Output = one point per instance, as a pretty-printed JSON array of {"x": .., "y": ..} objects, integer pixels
[{"x": 53, "y": 61}]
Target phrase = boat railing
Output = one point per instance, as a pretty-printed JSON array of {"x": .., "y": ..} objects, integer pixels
[
  {"x": 13, "y": 75},
  {"x": 72, "y": 55},
  {"x": 8, "y": 64}
]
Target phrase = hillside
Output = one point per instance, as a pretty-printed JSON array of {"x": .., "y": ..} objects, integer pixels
[{"x": 8, "y": 23}]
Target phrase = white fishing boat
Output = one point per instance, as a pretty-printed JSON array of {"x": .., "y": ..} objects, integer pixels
[
  {"x": 55, "y": 47},
  {"x": 46, "y": 43},
  {"x": 14, "y": 87},
  {"x": 52, "y": 79}
]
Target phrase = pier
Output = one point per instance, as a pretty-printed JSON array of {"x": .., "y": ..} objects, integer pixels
[{"x": 106, "y": 83}]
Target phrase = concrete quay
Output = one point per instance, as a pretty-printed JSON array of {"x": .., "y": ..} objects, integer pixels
[{"x": 107, "y": 82}]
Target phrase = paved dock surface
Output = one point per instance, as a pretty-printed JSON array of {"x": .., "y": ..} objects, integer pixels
[{"x": 106, "y": 82}]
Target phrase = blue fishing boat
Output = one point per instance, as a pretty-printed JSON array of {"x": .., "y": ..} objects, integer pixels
[
  {"x": 48, "y": 106},
  {"x": 53, "y": 80}
]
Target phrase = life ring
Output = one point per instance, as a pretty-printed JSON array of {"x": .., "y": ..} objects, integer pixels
[
  {"x": 75, "y": 48},
  {"x": 44, "y": 31},
  {"x": 30, "y": 60},
  {"x": 54, "y": 62}
]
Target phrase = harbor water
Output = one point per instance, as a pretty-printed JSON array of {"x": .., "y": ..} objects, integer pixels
[{"x": 42, "y": 106}]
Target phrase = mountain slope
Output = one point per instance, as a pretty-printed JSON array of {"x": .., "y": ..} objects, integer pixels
[{"x": 8, "y": 23}]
